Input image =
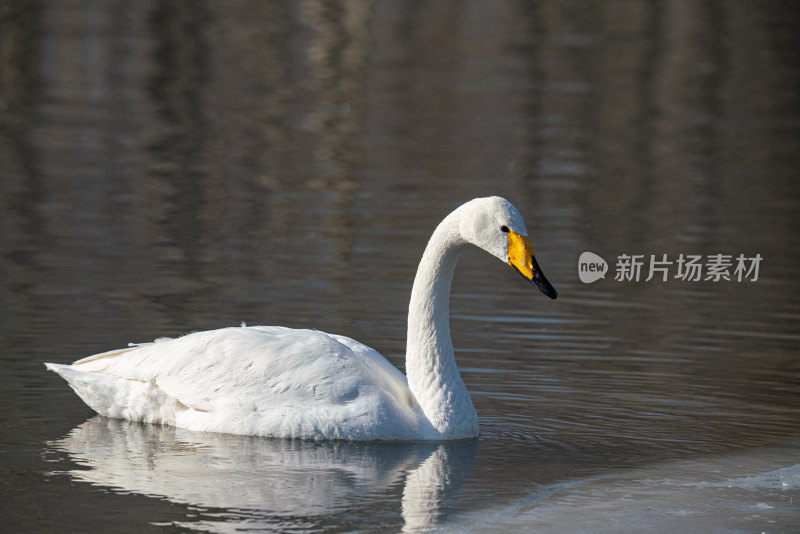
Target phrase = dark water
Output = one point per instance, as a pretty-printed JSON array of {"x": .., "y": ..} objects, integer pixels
[{"x": 178, "y": 166}]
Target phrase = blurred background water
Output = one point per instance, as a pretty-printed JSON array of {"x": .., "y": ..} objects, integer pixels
[{"x": 175, "y": 166}]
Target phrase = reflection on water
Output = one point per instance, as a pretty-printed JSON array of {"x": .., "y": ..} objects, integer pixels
[
  {"x": 240, "y": 482},
  {"x": 176, "y": 166}
]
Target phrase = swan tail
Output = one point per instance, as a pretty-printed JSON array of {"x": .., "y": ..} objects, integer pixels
[
  {"x": 96, "y": 390},
  {"x": 120, "y": 398}
]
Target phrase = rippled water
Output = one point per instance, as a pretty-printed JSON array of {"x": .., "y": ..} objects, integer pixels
[{"x": 170, "y": 167}]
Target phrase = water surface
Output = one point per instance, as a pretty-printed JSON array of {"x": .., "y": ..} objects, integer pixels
[{"x": 181, "y": 166}]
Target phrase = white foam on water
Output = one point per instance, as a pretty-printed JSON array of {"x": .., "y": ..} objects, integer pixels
[
  {"x": 745, "y": 491},
  {"x": 783, "y": 478}
]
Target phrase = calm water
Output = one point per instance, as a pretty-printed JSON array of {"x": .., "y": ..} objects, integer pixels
[{"x": 178, "y": 166}]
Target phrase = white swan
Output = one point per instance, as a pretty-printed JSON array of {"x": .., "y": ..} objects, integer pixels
[{"x": 280, "y": 382}]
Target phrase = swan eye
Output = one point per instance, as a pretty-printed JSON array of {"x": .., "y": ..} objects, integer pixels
[{"x": 504, "y": 228}]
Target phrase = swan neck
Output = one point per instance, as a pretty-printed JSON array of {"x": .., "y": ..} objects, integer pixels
[{"x": 433, "y": 376}]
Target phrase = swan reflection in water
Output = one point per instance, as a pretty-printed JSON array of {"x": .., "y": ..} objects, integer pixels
[{"x": 261, "y": 483}]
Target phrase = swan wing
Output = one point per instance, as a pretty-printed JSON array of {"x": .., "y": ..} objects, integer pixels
[{"x": 262, "y": 380}]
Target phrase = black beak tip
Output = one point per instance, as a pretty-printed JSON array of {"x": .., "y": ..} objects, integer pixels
[
  {"x": 541, "y": 283},
  {"x": 544, "y": 286}
]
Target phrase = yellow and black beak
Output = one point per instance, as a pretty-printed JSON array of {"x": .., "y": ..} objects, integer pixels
[{"x": 521, "y": 257}]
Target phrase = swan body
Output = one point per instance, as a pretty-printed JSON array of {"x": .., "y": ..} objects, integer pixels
[
  {"x": 260, "y": 380},
  {"x": 291, "y": 383}
]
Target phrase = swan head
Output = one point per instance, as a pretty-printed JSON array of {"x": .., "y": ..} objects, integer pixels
[{"x": 496, "y": 226}]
